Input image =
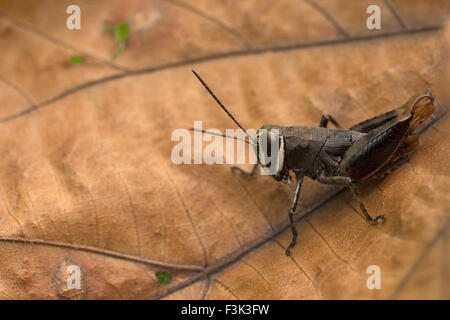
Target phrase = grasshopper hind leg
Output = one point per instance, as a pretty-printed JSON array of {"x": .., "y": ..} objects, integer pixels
[
  {"x": 346, "y": 181},
  {"x": 363, "y": 208},
  {"x": 402, "y": 155}
]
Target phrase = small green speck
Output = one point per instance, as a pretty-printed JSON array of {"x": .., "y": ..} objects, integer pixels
[
  {"x": 121, "y": 31},
  {"x": 76, "y": 59},
  {"x": 163, "y": 277}
]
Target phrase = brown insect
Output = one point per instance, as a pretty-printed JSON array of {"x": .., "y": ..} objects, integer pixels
[{"x": 340, "y": 156}]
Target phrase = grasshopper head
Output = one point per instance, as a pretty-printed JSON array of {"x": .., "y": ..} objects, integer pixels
[{"x": 270, "y": 151}]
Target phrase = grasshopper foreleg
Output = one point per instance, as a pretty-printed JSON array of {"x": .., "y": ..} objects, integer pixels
[
  {"x": 292, "y": 212},
  {"x": 247, "y": 173},
  {"x": 325, "y": 119},
  {"x": 346, "y": 181}
]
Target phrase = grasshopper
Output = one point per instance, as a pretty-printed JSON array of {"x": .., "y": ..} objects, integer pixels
[{"x": 369, "y": 149}]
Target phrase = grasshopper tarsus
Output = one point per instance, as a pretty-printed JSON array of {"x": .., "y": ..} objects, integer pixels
[
  {"x": 246, "y": 173},
  {"x": 299, "y": 178},
  {"x": 381, "y": 217},
  {"x": 292, "y": 244},
  {"x": 294, "y": 233},
  {"x": 369, "y": 218},
  {"x": 377, "y": 220}
]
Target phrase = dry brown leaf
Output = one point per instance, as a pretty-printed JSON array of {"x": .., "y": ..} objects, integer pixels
[{"x": 86, "y": 173}]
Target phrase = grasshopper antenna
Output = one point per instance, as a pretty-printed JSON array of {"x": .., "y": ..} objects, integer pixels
[
  {"x": 220, "y": 135},
  {"x": 220, "y": 103}
]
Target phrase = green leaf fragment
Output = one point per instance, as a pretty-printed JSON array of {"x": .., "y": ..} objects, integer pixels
[
  {"x": 163, "y": 277},
  {"x": 76, "y": 59},
  {"x": 121, "y": 31}
]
